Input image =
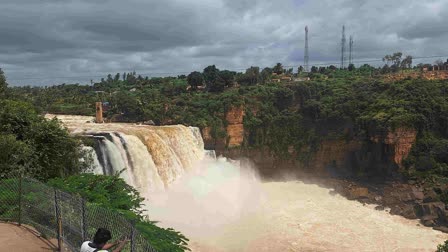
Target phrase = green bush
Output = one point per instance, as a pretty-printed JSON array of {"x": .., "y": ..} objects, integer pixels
[
  {"x": 113, "y": 193},
  {"x": 443, "y": 247}
]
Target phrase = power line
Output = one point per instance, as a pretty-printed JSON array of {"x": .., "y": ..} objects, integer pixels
[{"x": 230, "y": 69}]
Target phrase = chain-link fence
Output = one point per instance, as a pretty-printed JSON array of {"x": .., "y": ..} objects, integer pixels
[{"x": 61, "y": 215}]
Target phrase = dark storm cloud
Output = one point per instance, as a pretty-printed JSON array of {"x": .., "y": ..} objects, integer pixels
[{"x": 47, "y": 39}]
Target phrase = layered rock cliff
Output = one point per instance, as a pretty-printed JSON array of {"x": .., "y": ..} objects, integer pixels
[
  {"x": 235, "y": 128},
  {"x": 381, "y": 154},
  {"x": 401, "y": 141}
]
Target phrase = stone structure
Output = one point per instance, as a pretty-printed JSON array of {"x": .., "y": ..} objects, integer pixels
[{"x": 99, "y": 112}]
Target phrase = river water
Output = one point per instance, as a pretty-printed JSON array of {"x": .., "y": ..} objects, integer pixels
[
  {"x": 225, "y": 209},
  {"x": 223, "y": 206}
]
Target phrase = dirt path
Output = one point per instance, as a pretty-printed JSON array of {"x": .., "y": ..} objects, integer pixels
[{"x": 23, "y": 238}]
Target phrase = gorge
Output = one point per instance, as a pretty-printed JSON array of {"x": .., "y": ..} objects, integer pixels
[{"x": 223, "y": 205}]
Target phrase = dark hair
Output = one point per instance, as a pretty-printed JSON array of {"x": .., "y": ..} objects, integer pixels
[{"x": 102, "y": 236}]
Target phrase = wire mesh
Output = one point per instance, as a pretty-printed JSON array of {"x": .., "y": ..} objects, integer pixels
[
  {"x": 10, "y": 199},
  {"x": 64, "y": 216}
]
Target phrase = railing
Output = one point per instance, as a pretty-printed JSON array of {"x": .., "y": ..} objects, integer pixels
[{"x": 64, "y": 216}]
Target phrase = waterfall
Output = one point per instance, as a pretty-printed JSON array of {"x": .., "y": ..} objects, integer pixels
[
  {"x": 96, "y": 166},
  {"x": 152, "y": 157},
  {"x": 144, "y": 171},
  {"x": 221, "y": 205},
  {"x": 210, "y": 154}
]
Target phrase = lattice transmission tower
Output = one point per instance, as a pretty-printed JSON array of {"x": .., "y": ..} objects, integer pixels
[
  {"x": 343, "y": 47},
  {"x": 350, "y": 55},
  {"x": 306, "y": 57}
]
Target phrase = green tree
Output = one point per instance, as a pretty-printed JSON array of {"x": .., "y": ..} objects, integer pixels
[
  {"x": 228, "y": 77},
  {"x": 44, "y": 144},
  {"x": 407, "y": 62},
  {"x": 3, "y": 84},
  {"x": 351, "y": 67},
  {"x": 16, "y": 155},
  {"x": 212, "y": 79},
  {"x": 117, "y": 77},
  {"x": 113, "y": 193},
  {"x": 253, "y": 74},
  {"x": 395, "y": 59},
  {"x": 129, "y": 105},
  {"x": 195, "y": 79},
  {"x": 278, "y": 68},
  {"x": 218, "y": 85},
  {"x": 265, "y": 75},
  {"x": 210, "y": 74}
]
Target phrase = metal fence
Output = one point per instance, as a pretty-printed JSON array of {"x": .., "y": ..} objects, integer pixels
[{"x": 63, "y": 216}]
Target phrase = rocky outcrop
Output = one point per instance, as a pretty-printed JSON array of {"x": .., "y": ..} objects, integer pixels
[
  {"x": 235, "y": 133},
  {"x": 412, "y": 201},
  {"x": 333, "y": 155},
  {"x": 395, "y": 145},
  {"x": 235, "y": 127},
  {"x": 235, "y": 115},
  {"x": 207, "y": 137},
  {"x": 402, "y": 140}
]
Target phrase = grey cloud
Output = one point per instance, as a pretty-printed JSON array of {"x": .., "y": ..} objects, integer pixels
[{"x": 48, "y": 38}]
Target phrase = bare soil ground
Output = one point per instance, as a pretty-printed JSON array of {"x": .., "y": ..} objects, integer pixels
[{"x": 23, "y": 238}]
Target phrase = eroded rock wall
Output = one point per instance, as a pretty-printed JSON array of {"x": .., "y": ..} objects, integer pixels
[
  {"x": 235, "y": 127},
  {"x": 382, "y": 154},
  {"x": 402, "y": 140}
]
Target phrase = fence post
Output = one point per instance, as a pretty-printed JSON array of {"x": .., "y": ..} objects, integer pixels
[
  {"x": 83, "y": 220},
  {"x": 20, "y": 200},
  {"x": 58, "y": 219},
  {"x": 133, "y": 236}
]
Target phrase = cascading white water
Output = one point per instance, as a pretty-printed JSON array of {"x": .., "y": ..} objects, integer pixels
[
  {"x": 210, "y": 154},
  {"x": 222, "y": 206},
  {"x": 153, "y": 157},
  {"x": 143, "y": 170},
  {"x": 96, "y": 166}
]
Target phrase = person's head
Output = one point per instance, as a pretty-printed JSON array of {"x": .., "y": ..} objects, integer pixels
[{"x": 101, "y": 237}]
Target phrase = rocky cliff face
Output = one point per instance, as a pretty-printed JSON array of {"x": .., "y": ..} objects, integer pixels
[
  {"x": 334, "y": 156},
  {"x": 399, "y": 143},
  {"x": 234, "y": 131},
  {"x": 410, "y": 200},
  {"x": 235, "y": 128},
  {"x": 381, "y": 155},
  {"x": 402, "y": 140},
  {"x": 209, "y": 142}
]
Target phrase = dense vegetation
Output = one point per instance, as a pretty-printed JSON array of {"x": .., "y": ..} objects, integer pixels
[
  {"x": 113, "y": 193},
  {"x": 290, "y": 117},
  {"x": 33, "y": 146},
  {"x": 334, "y": 104}
]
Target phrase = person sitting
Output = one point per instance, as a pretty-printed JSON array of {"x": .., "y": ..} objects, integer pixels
[{"x": 99, "y": 243}]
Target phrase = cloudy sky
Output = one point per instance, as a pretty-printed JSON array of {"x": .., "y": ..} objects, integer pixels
[{"x": 44, "y": 42}]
